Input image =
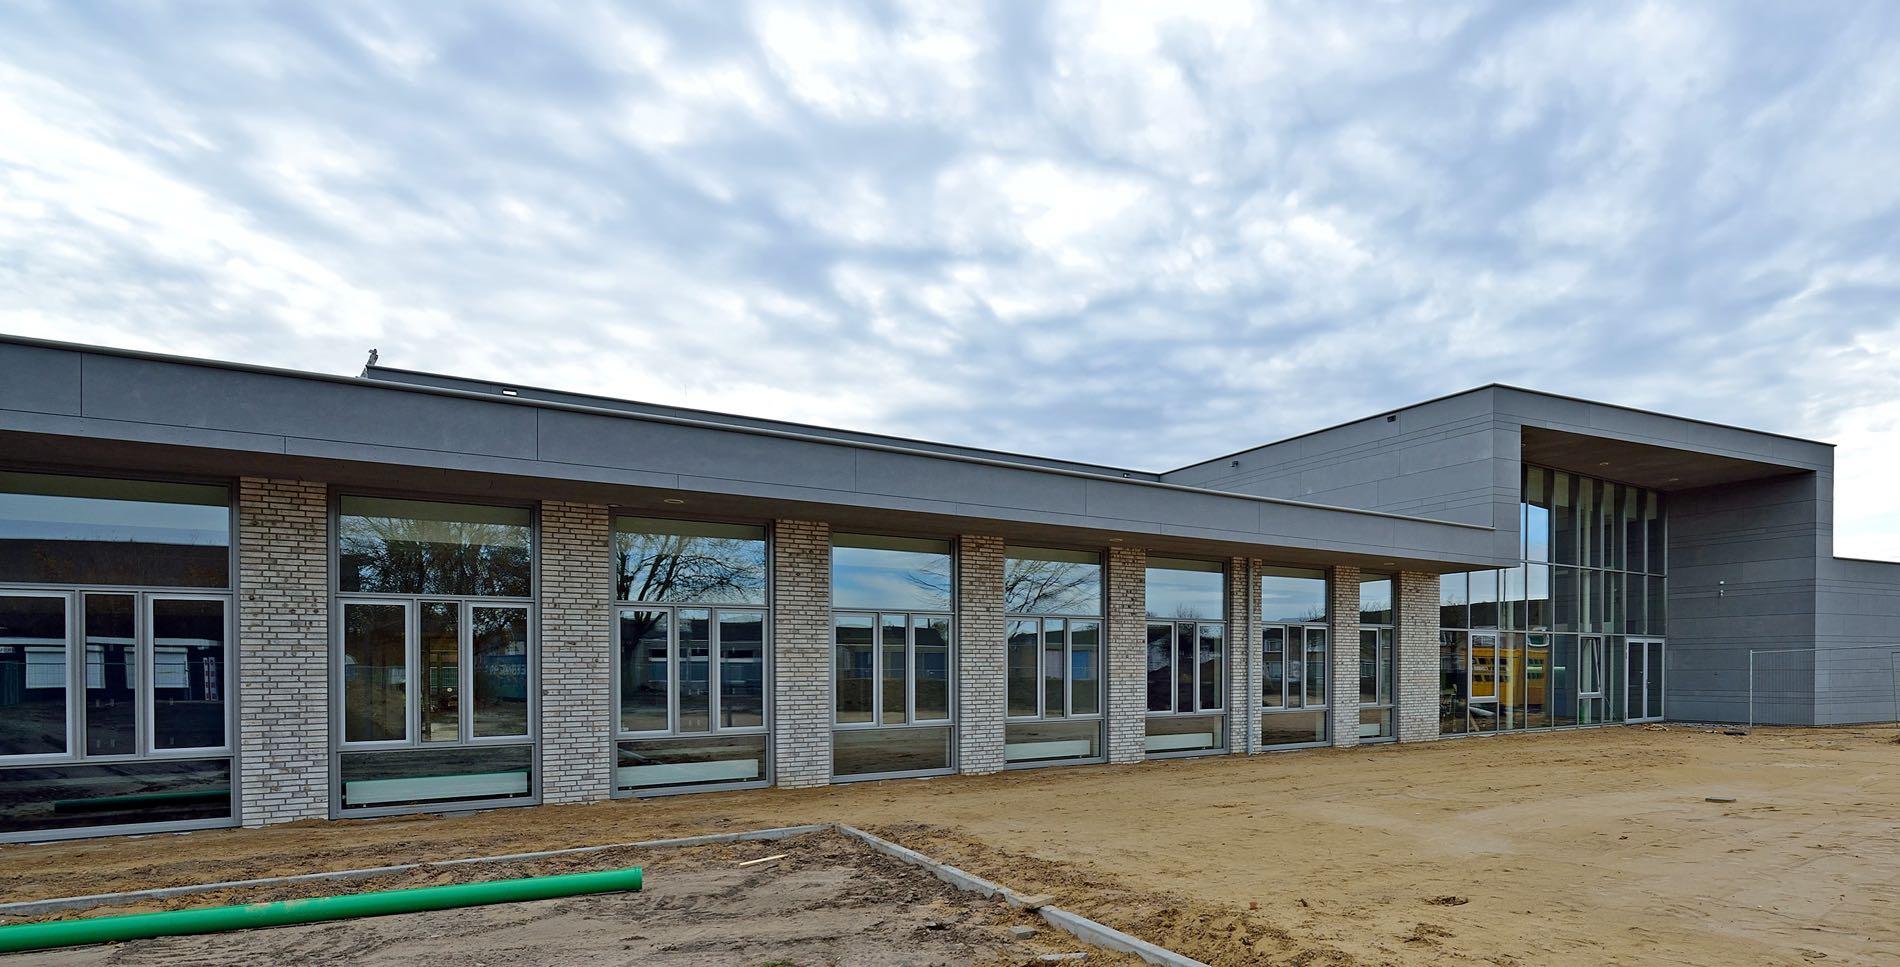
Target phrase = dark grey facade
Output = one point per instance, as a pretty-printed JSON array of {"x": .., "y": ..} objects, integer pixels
[{"x": 1286, "y": 569}]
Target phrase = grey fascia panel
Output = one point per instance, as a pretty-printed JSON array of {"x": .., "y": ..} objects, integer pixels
[
  {"x": 206, "y": 397},
  {"x": 40, "y": 380}
]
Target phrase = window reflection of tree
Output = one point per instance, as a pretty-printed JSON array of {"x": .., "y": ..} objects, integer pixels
[
  {"x": 1051, "y": 587},
  {"x": 400, "y": 555},
  {"x": 673, "y": 567}
]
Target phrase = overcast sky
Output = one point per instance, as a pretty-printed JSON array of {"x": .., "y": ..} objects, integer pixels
[{"x": 1139, "y": 234}]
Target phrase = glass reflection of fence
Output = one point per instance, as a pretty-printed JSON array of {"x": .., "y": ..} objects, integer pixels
[{"x": 1787, "y": 685}]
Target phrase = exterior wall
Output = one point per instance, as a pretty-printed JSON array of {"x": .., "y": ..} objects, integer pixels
[
  {"x": 1240, "y": 636},
  {"x": 801, "y": 630},
  {"x": 1127, "y": 654},
  {"x": 1415, "y": 596},
  {"x": 283, "y": 610},
  {"x": 1433, "y": 460},
  {"x": 577, "y": 756},
  {"x": 1742, "y": 576},
  {"x": 1857, "y": 672},
  {"x": 982, "y": 666},
  {"x": 1248, "y": 699},
  {"x": 1342, "y": 636}
]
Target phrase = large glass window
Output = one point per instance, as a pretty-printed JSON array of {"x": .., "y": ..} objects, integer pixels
[
  {"x": 691, "y": 658},
  {"x": 390, "y": 546},
  {"x": 57, "y": 529},
  {"x": 892, "y": 656},
  {"x": 688, "y": 562},
  {"x": 1293, "y": 685},
  {"x": 435, "y": 658},
  {"x": 1292, "y": 596},
  {"x": 1187, "y": 656},
  {"x": 115, "y": 661},
  {"x": 1594, "y": 554},
  {"x": 1377, "y": 686},
  {"x": 1054, "y": 662}
]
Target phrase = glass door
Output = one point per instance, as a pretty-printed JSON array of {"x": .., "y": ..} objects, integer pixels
[{"x": 1644, "y": 686}]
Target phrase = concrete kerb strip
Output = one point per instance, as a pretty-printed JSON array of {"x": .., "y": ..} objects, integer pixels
[
  {"x": 29, "y": 908},
  {"x": 1077, "y": 925}
]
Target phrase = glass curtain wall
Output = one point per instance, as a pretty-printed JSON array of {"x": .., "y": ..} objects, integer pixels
[
  {"x": 893, "y": 655},
  {"x": 1053, "y": 600},
  {"x": 1187, "y": 657},
  {"x": 692, "y": 661},
  {"x": 1543, "y": 644},
  {"x": 115, "y": 655},
  {"x": 1378, "y": 670},
  {"x": 435, "y": 661},
  {"x": 1293, "y": 700}
]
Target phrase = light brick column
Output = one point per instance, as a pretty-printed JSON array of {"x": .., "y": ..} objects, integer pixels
[
  {"x": 283, "y": 624},
  {"x": 1240, "y": 635},
  {"x": 801, "y": 633},
  {"x": 1127, "y": 654},
  {"x": 1342, "y": 637},
  {"x": 1416, "y": 598},
  {"x": 1255, "y": 672},
  {"x": 576, "y": 643},
  {"x": 981, "y": 665}
]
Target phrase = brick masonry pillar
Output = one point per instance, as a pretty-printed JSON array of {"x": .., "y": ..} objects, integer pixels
[
  {"x": 576, "y": 644},
  {"x": 981, "y": 664},
  {"x": 1127, "y": 654},
  {"x": 1240, "y": 634},
  {"x": 801, "y": 633},
  {"x": 1250, "y": 699},
  {"x": 283, "y": 623},
  {"x": 1342, "y": 637},
  {"x": 1416, "y": 598}
]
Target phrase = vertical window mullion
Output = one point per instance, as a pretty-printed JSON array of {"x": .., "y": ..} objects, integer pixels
[{"x": 712, "y": 670}]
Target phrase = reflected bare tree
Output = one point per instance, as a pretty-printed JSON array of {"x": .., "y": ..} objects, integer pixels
[
  {"x": 1051, "y": 587},
  {"x": 672, "y": 567},
  {"x": 401, "y": 555}
]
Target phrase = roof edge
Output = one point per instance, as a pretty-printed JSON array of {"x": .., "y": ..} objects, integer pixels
[{"x": 704, "y": 424}]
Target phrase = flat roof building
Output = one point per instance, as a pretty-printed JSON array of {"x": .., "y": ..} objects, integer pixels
[{"x": 239, "y": 595}]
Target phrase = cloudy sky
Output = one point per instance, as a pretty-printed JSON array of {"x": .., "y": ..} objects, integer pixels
[{"x": 1140, "y": 233}]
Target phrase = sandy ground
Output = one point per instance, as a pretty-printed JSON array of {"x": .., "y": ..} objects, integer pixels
[
  {"x": 826, "y": 900},
  {"x": 1591, "y": 847}
]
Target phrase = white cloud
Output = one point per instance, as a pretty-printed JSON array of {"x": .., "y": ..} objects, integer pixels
[{"x": 1130, "y": 233}]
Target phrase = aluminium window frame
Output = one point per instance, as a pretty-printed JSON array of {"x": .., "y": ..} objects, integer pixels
[
  {"x": 1174, "y": 711},
  {"x": 953, "y": 649},
  {"x": 75, "y": 638},
  {"x": 338, "y": 599},
  {"x": 1099, "y": 716},
  {"x": 1304, "y": 631},
  {"x": 617, "y": 735}
]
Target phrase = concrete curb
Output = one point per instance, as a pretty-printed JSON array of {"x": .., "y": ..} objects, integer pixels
[
  {"x": 27, "y": 908},
  {"x": 1081, "y": 927}
]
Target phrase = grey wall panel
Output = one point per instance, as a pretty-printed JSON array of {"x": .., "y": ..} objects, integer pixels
[
  {"x": 171, "y": 394},
  {"x": 39, "y": 380},
  {"x": 585, "y": 439}
]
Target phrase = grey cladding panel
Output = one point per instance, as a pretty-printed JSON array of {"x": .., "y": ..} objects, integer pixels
[
  {"x": 897, "y": 473},
  {"x": 224, "y": 399},
  {"x": 39, "y": 380},
  {"x": 588, "y": 439}
]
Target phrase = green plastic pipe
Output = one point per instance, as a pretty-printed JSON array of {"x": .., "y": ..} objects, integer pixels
[{"x": 138, "y": 926}]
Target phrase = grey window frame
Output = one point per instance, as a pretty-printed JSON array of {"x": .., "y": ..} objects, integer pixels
[
  {"x": 1100, "y": 715},
  {"x": 1304, "y": 632},
  {"x": 75, "y": 594},
  {"x": 412, "y": 651},
  {"x": 950, "y": 721}
]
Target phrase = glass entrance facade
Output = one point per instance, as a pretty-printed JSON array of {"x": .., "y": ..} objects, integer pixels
[{"x": 1545, "y": 644}]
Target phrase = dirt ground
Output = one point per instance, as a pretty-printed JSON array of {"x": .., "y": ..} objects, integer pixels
[
  {"x": 826, "y": 900},
  {"x": 1590, "y": 847}
]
